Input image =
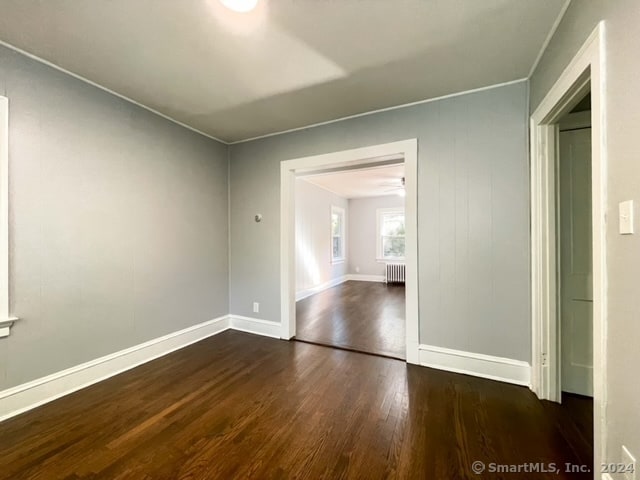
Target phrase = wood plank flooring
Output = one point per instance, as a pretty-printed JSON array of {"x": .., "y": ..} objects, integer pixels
[
  {"x": 575, "y": 414},
  {"x": 361, "y": 316},
  {"x": 241, "y": 406}
]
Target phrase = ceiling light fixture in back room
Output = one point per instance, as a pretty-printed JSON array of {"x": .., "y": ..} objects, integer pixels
[{"x": 240, "y": 6}]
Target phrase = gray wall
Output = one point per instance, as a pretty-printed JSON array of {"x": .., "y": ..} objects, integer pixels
[
  {"x": 118, "y": 223},
  {"x": 622, "y": 111},
  {"x": 363, "y": 235},
  {"x": 473, "y": 211},
  {"x": 313, "y": 236}
]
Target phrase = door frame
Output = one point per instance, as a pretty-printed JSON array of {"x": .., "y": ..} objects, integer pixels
[
  {"x": 408, "y": 150},
  {"x": 585, "y": 72}
]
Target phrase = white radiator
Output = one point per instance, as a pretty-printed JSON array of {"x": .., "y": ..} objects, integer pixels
[{"x": 394, "y": 273}]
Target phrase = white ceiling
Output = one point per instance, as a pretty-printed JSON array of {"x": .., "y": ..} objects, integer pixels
[
  {"x": 289, "y": 63},
  {"x": 364, "y": 182}
]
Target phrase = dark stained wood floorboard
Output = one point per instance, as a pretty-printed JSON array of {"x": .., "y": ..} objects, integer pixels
[
  {"x": 575, "y": 414},
  {"x": 360, "y": 316},
  {"x": 241, "y": 406}
]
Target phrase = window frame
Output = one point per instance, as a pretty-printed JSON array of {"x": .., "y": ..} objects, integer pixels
[
  {"x": 343, "y": 244},
  {"x": 380, "y": 212},
  {"x": 6, "y": 319}
]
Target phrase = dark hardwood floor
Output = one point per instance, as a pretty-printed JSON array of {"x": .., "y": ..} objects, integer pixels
[
  {"x": 576, "y": 416},
  {"x": 241, "y": 406},
  {"x": 361, "y": 316}
]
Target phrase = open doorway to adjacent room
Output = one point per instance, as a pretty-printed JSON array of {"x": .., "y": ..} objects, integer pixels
[
  {"x": 568, "y": 238},
  {"x": 350, "y": 294},
  {"x": 574, "y": 253},
  {"x": 350, "y": 258}
]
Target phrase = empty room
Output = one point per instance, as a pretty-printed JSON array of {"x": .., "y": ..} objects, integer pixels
[
  {"x": 251, "y": 239},
  {"x": 350, "y": 258}
]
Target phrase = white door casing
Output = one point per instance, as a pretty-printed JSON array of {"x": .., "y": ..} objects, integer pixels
[
  {"x": 586, "y": 72},
  {"x": 405, "y": 149}
]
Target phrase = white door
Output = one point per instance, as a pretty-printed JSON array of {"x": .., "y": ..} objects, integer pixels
[{"x": 576, "y": 281}]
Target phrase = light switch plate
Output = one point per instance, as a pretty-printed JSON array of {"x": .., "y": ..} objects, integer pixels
[{"x": 626, "y": 217}]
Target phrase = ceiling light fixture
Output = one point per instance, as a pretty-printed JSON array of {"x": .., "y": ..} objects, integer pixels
[{"x": 240, "y": 6}]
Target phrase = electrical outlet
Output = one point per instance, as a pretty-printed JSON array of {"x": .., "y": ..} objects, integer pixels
[
  {"x": 256, "y": 307},
  {"x": 630, "y": 462},
  {"x": 357, "y": 269}
]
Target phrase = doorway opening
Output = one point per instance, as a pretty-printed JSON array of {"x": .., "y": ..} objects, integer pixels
[
  {"x": 377, "y": 156},
  {"x": 350, "y": 258},
  {"x": 574, "y": 253},
  {"x": 568, "y": 233}
]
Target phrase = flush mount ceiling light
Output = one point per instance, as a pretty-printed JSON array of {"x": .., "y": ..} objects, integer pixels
[{"x": 240, "y": 6}]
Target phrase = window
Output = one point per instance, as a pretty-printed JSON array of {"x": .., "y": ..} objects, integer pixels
[
  {"x": 391, "y": 241},
  {"x": 337, "y": 234},
  {"x": 6, "y": 320}
]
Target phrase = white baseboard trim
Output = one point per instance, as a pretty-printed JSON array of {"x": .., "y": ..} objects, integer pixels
[
  {"x": 365, "y": 278},
  {"x": 302, "y": 294},
  {"x": 476, "y": 364},
  {"x": 266, "y": 328},
  {"x": 27, "y": 396}
]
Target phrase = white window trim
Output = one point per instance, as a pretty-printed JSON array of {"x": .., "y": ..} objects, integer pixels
[
  {"x": 343, "y": 258},
  {"x": 380, "y": 258},
  {"x": 6, "y": 320}
]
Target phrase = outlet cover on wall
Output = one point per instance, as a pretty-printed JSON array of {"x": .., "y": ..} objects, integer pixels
[{"x": 256, "y": 307}]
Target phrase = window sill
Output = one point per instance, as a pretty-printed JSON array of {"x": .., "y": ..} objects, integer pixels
[
  {"x": 390, "y": 260},
  {"x": 338, "y": 261},
  {"x": 5, "y": 326}
]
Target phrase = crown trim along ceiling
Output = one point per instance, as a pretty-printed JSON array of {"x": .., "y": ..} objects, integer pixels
[{"x": 286, "y": 64}]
